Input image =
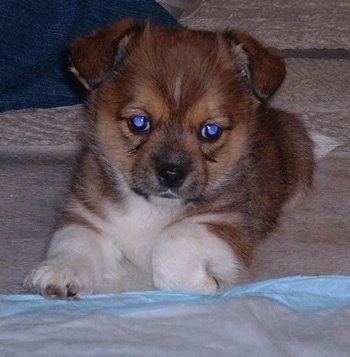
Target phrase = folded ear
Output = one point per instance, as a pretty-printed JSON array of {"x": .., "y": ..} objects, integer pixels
[
  {"x": 94, "y": 57},
  {"x": 263, "y": 70}
]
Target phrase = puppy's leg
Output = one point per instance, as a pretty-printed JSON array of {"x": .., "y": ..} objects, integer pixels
[
  {"x": 189, "y": 257},
  {"x": 77, "y": 262}
]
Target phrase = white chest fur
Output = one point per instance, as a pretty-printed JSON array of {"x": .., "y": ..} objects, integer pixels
[{"x": 136, "y": 227}]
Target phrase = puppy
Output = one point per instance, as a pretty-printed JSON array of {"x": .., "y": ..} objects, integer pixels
[{"x": 184, "y": 167}]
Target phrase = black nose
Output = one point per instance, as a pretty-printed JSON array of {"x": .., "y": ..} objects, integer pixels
[{"x": 172, "y": 176}]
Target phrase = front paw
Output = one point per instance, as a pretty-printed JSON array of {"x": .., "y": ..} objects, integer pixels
[
  {"x": 188, "y": 257},
  {"x": 195, "y": 278},
  {"x": 53, "y": 281}
]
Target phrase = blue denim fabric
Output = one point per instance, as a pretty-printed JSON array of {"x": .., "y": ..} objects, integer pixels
[{"x": 34, "y": 37}]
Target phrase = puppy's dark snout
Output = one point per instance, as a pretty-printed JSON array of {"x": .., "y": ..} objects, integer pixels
[{"x": 172, "y": 175}]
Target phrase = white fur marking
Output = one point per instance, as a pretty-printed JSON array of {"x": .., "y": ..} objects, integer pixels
[
  {"x": 177, "y": 89},
  {"x": 181, "y": 256},
  {"x": 188, "y": 257}
]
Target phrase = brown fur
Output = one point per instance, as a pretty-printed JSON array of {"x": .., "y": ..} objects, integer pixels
[{"x": 182, "y": 79}]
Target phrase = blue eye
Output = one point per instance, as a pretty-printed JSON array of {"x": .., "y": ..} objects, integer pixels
[
  {"x": 139, "y": 124},
  {"x": 211, "y": 132}
]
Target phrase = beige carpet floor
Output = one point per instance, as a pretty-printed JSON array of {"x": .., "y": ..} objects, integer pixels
[{"x": 37, "y": 146}]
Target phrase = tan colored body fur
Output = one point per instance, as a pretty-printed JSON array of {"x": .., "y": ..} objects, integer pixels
[{"x": 168, "y": 206}]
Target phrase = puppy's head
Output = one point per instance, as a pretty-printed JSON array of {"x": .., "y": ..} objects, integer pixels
[{"x": 172, "y": 107}]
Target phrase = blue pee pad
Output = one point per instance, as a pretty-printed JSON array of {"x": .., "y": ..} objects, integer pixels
[{"x": 300, "y": 293}]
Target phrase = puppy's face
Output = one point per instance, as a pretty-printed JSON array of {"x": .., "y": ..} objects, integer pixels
[{"x": 171, "y": 107}]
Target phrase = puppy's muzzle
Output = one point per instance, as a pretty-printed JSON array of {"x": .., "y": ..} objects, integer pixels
[{"x": 172, "y": 175}]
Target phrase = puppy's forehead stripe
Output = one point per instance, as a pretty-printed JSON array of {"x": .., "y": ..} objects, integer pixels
[{"x": 177, "y": 89}]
